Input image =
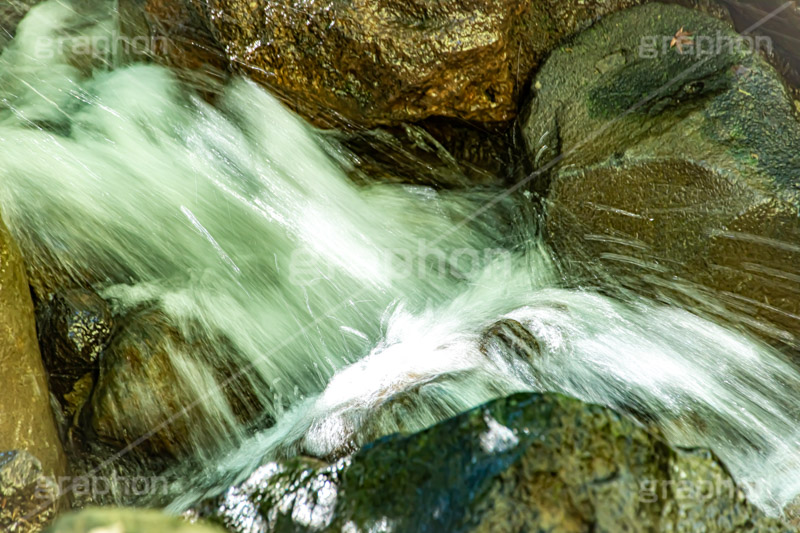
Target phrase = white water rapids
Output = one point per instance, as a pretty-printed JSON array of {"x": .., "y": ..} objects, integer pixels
[{"x": 236, "y": 217}]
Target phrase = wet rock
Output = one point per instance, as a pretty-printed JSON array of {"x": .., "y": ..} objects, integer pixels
[
  {"x": 336, "y": 434},
  {"x": 674, "y": 172},
  {"x": 526, "y": 463},
  {"x": 380, "y": 62},
  {"x": 512, "y": 339},
  {"x": 386, "y": 62},
  {"x": 74, "y": 328},
  {"x": 29, "y": 496},
  {"x": 179, "y": 38},
  {"x": 121, "y": 520},
  {"x": 613, "y": 92},
  {"x": 26, "y": 420},
  {"x": 172, "y": 394},
  {"x": 81, "y": 324}
]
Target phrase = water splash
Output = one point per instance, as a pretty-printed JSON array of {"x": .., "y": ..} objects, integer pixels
[
  {"x": 701, "y": 384},
  {"x": 231, "y": 219}
]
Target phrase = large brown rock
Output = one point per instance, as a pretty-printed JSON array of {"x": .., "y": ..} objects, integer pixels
[
  {"x": 386, "y": 61},
  {"x": 686, "y": 234},
  {"x": 675, "y": 174},
  {"x": 26, "y": 419}
]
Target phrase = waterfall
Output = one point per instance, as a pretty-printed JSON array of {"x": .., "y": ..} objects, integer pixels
[
  {"x": 237, "y": 221},
  {"x": 232, "y": 219}
]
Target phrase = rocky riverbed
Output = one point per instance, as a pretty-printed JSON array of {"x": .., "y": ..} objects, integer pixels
[{"x": 647, "y": 151}]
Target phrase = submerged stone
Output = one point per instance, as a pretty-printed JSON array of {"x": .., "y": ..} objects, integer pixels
[
  {"x": 170, "y": 393},
  {"x": 512, "y": 339},
  {"x": 529, "y": 462}
]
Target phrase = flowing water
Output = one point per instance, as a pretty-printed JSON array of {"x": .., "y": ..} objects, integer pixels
[{"x": 238, "y": 222}]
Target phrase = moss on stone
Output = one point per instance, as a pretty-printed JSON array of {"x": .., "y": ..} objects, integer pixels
[{"x": 530, "y": 462}]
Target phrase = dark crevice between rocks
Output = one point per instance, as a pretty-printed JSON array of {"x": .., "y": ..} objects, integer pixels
[{"x": 439, "y": 152}]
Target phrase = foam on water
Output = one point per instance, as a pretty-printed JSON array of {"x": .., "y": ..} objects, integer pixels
[{"x": 234, "y": 219}]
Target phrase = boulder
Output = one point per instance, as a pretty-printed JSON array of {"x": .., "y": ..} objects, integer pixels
[
  {"x": 123, "y": 520},
  {"x": 178, "y": 395},
  {"x": 529, "y": 462},
  {"x": 674, "y": 171},
  {"x": 384, "y": 62},
  {"x": 26, "y": 419}
]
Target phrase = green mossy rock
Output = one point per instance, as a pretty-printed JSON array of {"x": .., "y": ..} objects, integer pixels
[
  {"x": 122, "y": 520},
  {"x": 526, "y": 463},
  {"x": 676, "y": 172}
]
